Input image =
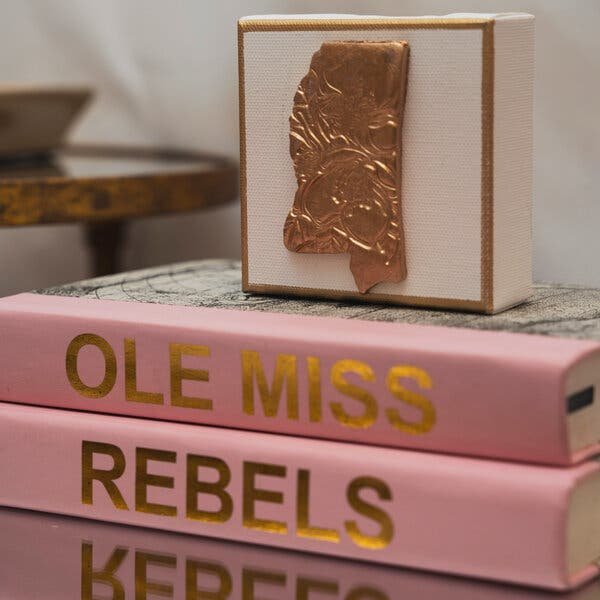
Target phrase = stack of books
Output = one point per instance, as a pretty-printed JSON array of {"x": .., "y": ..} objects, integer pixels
[{"x": 434, "y": 440}]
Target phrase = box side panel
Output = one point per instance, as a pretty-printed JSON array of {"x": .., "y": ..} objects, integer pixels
[{"x": 513, "y": 159}]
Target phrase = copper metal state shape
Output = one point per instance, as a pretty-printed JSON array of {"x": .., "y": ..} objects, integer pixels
[{"x": 345, "y": 143}]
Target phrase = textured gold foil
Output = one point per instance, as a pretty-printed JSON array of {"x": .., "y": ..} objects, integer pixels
[
  {"x": 106, "y": 477},
  {"x": 195, "y": 487},
  {"x": 144, "y": 479},
  {"x": 372, "y": 512},
  {"x": 407, "y": 396},
  {"x": 251, "y": 494},
  {"x": 179, "y": 374},
  {"x": 303, "y": 526},
  {"x": 285, "y": 373},
  {"x": 132, "y": 394},
  {"x": 342, "y": 385},
  {"x": 110, "y": 366},
  {"x": 345, "y": 143}
]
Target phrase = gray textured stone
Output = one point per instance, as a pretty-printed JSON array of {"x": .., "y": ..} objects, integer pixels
[{"x": 559, "y": 310}]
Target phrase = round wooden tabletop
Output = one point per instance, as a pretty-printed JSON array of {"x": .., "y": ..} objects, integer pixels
[{"x": 92, "y": 184}]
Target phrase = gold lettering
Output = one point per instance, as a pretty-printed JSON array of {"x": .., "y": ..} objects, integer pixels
[
  {"x": 193, "y": 592},
  {"x": 305, "y": 586},
  {"x": 110, "y": 366},
  {"x": 285, "y": 370},
  {"x": 372, "y": 542},
  {"x": 180, "y": 373},
  {"x": 303, "y": 526},
  {"x": 106, "y": 576},
  {"x": 105, "y": 477},
  {"x": 216, "y": 488},
  {"x": 315, "y": 401},
  {"x": 145, "y": 586},
  {"x": 412, "y": 398},
  {"x": 339, "y": 381},
  {"x": 251, "y": 495},
  {"x": 132, "y": 394},
  {"x": 366, "y": 593},
  {"x": 252, "y": 576},
  {"x": 143, "y": 479}
]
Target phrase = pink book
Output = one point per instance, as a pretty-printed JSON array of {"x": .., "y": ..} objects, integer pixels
[
  {"x": 58, "y": 558},
  {"x": 182, "y": 343},
  {"x": 531, "y": 525}
]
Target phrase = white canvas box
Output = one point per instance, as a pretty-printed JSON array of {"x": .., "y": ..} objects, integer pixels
[{"x": 466, "y": 157}]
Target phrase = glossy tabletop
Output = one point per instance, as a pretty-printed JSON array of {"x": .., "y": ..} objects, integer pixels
[
  {"x": 102, "y": 183},
  {"x": 104, "y": 187},
  {"x": 54, "y": 557}
]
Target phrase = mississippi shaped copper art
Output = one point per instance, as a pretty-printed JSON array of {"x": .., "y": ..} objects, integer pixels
[{"x": 345, "y": 143}]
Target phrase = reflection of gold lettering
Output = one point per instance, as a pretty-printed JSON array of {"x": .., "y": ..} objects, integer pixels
[
  {"x": 193, "y": 592},
  {"x": 105, "y": 576},
  {"x": 412, "y": 398},
  {"x": 366, "y": 593},
  {"x": 144, "y": 586},
  {"x": 132, "y": 394},
  {"x": 364, "y": 371},
  {"x": 105, "y": 477},
  {"x": 305, "y": 586},
  {"x": 110, "y": 366},
  {"x": 372, "y": 542},
  {"x": 252, "y": 494},
  {"x": 219, "y": 575},
  {"x": 216, "y": 488},
  {"x": 285, "y": 370},
  {"x": 143, "y": 479},
  {"x": 180, "y": 374},
  {"x": 304, "y": 528},
  {"x": 315, "y": 402},
  {"x": 252, "y": 576}
]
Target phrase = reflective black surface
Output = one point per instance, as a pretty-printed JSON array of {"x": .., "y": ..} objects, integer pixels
[
  {"x": 54, "y": 557},
  {"x": 82, "y": 163}
]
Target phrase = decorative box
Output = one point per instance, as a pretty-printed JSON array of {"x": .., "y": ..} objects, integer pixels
[{"x": 388, "y": 159}]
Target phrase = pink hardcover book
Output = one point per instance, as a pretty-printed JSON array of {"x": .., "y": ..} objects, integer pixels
[
  {"x": 58, "y": 558},
  {"x": 532, "y": 525},
  {"x": 182, "y": 343}
]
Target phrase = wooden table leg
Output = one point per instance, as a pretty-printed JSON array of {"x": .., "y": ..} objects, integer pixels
[{"x": 105, "y": 240}]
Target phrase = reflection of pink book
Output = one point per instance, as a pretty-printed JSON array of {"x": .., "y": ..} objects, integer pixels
[
  {"x": 524, "y": 524},
  {"x": 58, "y": 558},
  {"x": 485, "y": 393}
]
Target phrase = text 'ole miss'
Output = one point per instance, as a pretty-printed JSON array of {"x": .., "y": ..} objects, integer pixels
[{"x": 349, "y": 378}]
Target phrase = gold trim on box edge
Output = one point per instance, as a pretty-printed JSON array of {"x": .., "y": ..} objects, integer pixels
[
  {"x": 487, "y": 166},
  {"x": 422, "y": 301},
  {"x": 485, "y": 304},
  {"x": 359, "y": 24},
  {"x": 243, "y": 179}
]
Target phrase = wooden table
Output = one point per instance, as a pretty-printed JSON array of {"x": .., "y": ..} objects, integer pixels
[{"x": 105, "y": 187}]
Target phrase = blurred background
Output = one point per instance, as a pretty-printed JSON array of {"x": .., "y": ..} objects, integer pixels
[{"x": 166, "y": 75}]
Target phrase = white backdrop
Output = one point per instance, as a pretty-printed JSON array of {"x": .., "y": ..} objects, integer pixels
[{"x": 166, "y": 73}]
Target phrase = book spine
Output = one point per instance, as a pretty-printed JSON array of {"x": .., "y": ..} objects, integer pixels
[
  {"x": 480, "y": 518},
  {"x": 104, "y": 560},
  {"x": 488, "y": 394}
]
